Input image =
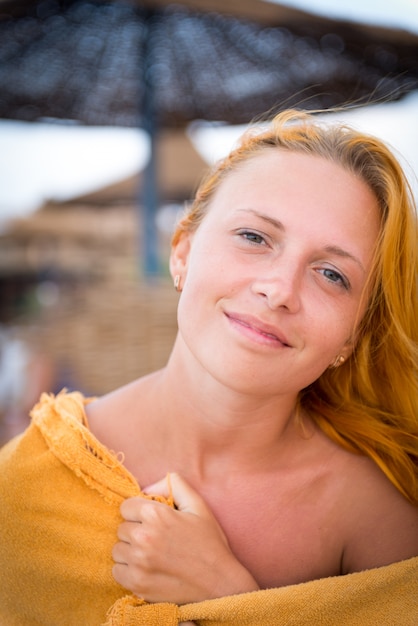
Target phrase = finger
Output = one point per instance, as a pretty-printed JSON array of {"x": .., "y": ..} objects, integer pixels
[
  {"x": 128, "y": 531},
  {"x": 120, "y": 553},
  {"x": 131, "y": 509},
  {"x": 160, "y": 488},
  {"x": 121, "y": 573},
  {"x": 185, "y": 497}
]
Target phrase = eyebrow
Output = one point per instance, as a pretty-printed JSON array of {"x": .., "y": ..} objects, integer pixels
[
  {"x": 276, "y": 223},
  {"x": 335, "y": 250}
]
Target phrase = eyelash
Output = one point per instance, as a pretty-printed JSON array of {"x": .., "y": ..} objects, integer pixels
[
  {"x": 342, "y": 280},
  {"x": 247, "y": 234},
  {"x": 250, "y": 235}
]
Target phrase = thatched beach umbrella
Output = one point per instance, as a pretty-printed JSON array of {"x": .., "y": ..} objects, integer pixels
[{"x": 156, "y": 64}]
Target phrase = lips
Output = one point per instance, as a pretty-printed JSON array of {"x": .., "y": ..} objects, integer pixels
[{"x": 258, "y": 327}]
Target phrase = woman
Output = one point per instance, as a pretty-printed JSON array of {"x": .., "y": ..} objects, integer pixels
[{"x": 288, "y": 408}]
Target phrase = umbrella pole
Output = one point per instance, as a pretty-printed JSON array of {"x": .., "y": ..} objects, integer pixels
[{"x": 148, "y": 203}]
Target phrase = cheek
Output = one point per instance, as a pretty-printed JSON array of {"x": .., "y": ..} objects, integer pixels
[
  {"x": 198, "y": 286},
  {"x": 331, "y": 328},
  {"x": 208, "y": 266}
]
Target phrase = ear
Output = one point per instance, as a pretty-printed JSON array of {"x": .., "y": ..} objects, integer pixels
[
  {"x": 342, "y": 355},
  {"x": 179, "y": 256}
]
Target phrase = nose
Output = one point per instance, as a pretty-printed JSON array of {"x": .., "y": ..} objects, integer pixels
[{"x": 280, "y": 285}]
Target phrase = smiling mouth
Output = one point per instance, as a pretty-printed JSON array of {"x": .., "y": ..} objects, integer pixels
[{"x": 257, "y": 330}]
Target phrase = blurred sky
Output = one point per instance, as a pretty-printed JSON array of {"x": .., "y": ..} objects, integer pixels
[
  {"x": 40, "y": 162},
  {"x": 394, "y": 13}
]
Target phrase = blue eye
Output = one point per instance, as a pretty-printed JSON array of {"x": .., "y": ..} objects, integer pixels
[
  {"x": 335, "y": 277},
  {"x": 252, "y": 237}
]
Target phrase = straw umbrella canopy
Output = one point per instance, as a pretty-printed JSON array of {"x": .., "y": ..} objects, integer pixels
[
  {"x": 95, "y": 62},
  {"x": 156, "y": 64}
]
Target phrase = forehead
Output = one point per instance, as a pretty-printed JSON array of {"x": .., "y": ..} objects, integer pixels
[
  {"x": 299, "y": 189},
  {"x": 292, "y": 176}
]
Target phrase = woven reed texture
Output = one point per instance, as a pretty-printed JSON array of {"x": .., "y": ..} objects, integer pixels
[{"x": 111, "y": 335}]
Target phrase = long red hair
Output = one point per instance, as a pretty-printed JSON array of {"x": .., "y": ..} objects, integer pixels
[{"x": 369, "y": 405}]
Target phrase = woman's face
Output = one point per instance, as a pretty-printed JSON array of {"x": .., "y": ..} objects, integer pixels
[{"x": 273, "y": 277}]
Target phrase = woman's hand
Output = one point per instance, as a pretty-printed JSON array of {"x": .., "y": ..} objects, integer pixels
[{"x": 175, "y": 555}]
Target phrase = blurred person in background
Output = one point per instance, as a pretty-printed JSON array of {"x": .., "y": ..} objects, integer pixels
[
  {"x": 25, "y": 373},
  {"x": 275, "y": 454}
]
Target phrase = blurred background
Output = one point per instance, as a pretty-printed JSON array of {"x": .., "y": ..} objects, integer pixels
[{"x": 110, "y": 113}]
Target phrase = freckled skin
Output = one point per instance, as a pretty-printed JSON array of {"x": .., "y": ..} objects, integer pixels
[
  {"x": 272, "y": 288},
  {"x": 285, "y": 280}
]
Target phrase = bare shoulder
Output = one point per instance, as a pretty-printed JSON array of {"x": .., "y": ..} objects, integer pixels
[
  {"x": 113, "y": 418},
  {"x": 379, "y": 524}
]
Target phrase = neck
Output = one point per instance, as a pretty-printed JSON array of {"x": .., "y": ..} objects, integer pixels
[{"x": 218, "y": 428}]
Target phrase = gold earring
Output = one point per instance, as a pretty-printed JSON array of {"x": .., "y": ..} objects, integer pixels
[
  {"x": 339, "y": 360},
  {"x": 177, "y": 282}
]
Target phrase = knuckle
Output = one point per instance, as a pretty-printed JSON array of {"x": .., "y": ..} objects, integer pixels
[
  {"x": 136, "y": 534},
  {"x": 153, "y": 513}
]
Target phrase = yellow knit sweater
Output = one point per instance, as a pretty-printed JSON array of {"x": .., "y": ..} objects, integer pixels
[{"x": 60, "y": 492}]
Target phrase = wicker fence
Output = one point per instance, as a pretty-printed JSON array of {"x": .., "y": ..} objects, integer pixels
[{"x": 113, "y": 335}]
